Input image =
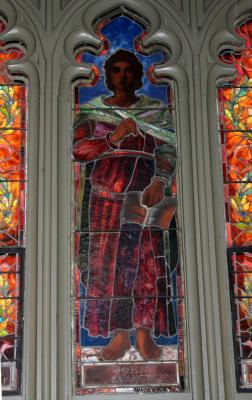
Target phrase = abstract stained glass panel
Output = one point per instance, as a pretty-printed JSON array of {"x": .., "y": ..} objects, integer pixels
[
  {"x": 128, "y": 303},
  {"x": 13, "y": 97},
  {"x": 235, "y": 129}
]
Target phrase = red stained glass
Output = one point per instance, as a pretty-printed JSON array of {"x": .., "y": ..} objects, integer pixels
[
  {"x": 126, "y": 374},
  {"x": 9, "y": 292},
  {"x": 12, "y": 200},
  {"x": 240, "y": 269},
  {"x": 235, "y": 127},
  {"x": 11, "y": 317},
  {"x": 6, "y": 55},
  {"x": 13, "y": 110},
  {"x": 2, "y": 24},
  {"x": 126, "y": 272},
  {"x": 235, "y": 108},
  {"x": 139, "y": 42},
  {"x": 12, "y": 113},
  {"x": 238, "y": 213},
  {"x": 12, "y": 164},
  {"x": 12, "y": 151},
  {"x": 241, "y": 264},
  {"x": 105, "y": 43},
  {"x": 94, "y": 70}
]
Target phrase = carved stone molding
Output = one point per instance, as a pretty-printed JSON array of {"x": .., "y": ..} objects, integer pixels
[
  {"x": 20, "y": 35},
  {"x": 37, "y": 3},
  {"x": 64, "y": 3},
  {"x": 32, "y": 12},
  {"x": 227, "y": 37},
  {"x": 179, "y": 4},
  {"x": 156, "y": 34},
  {"x": 238, "y": 12},
  {"x": 207, "y": 3},
  {"x": 203, "y": 9},
  {"x": 34, "y": 3},
  {"x": 82, "y": 35},
  {"x": 183, "y": 9},
  {"x": 222, "y": 21},
  {"x": 62, "y": 7}
]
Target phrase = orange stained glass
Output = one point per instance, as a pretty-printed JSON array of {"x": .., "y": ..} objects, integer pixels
[
  {"x": 235, "y": 123},
  {"x": 13, "y": 110},
  {"x": 235, "y": 126},
  {"x": 9, "y": 293}
]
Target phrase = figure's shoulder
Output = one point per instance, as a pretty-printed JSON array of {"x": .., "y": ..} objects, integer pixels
[
  {"x": 154, "y": 111},
  {"x": 95, "y": 102},
  {"x": 85, "y": 110},
  {"x": 146, "y": 101}
]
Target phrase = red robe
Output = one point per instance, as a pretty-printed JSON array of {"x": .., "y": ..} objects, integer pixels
[{"x": 127, "y": 280}]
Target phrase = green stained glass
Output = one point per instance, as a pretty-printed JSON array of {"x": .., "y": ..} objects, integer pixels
[
  {"x": 235, "y": 127},
  {"x": 13, "y": 111}
]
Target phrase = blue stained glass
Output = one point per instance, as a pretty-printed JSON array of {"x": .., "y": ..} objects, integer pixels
[
  {"x": 126, "y": 32},
  {"x": 121, "y": 33},
  {"x": 127, "y": 274},
  {"x": 86, "y": 340}
]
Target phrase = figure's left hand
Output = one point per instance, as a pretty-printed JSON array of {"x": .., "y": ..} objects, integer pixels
[{"x": 153, "y": 194}]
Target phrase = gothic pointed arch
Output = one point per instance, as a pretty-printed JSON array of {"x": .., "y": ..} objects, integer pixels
[
  {"x": 18, "y": 84},
  {"x": 82, "y": 49},
  {"x": 226, "y": 74}
]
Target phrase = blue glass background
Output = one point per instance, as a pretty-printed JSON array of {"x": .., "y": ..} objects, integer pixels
[{"x": 121, "y": 32}]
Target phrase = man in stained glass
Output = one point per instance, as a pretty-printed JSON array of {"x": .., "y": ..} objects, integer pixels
[{"x": 133, "y": 162}]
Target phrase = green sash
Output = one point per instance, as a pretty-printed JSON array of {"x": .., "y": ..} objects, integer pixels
[{"x": 98, "y": 111}]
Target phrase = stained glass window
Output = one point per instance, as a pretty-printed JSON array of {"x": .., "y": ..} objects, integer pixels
[
  {"x": 235, "y": 129},
  {"x": 13, "y": 95},
  {"x": 127, "y": 295}
]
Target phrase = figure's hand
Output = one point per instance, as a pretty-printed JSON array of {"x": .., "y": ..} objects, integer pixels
[
  {"x": 125, "y": 128},
  {"x": 153, "y": 194}
]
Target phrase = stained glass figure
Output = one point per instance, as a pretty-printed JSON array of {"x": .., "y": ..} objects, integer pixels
[
  {"x": 13, "y": 97},
  {"x": 127, "y": 289},
  {"x": 235, "y": 127}
]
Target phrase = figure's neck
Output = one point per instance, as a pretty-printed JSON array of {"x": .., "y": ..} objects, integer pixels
[{"x": 122, "y": 99}]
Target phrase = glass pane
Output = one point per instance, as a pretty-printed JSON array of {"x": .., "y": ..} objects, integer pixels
[
  {"x": 12, "y": 145},
  {"x": 127, "y": 292},
  {"x": 236, "y": 108},
  {"x": 12, "y": 213},
  {"x": 115, "y": 33},
  {"x": 236, "y": 157},
  {"x": 11, "y": 317},
  {"x": 238, "y": 214},
  {"x": 240, "y": 267},
  {"x": 13, "y": 113},
  {"x": 12, "y": 107},
  {"x": 235, "y": 130}
]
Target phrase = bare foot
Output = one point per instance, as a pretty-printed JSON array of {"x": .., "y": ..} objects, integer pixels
[
  {"x": 117, "y": 347},
  {"x": 145, "y": 345}
]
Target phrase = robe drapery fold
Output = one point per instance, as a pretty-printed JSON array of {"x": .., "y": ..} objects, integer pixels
[{"x": 124, "y": 288}]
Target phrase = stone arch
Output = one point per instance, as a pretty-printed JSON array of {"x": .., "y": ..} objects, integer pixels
[
  {"x": 69, "y": 70},
  {"x": 25, "y": 70}
]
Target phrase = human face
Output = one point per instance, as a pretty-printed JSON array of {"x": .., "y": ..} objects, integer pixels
[{"x": 122, "y": 76}]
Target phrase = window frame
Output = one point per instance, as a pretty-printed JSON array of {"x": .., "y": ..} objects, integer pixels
[
  {"x": 176, "y": 72},
  {"x": 24, "y": 70},
  {"x": 194, "y": 33}
]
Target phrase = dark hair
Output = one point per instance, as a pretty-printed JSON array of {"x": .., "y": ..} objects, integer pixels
[{"x": 127, "y": 56}]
